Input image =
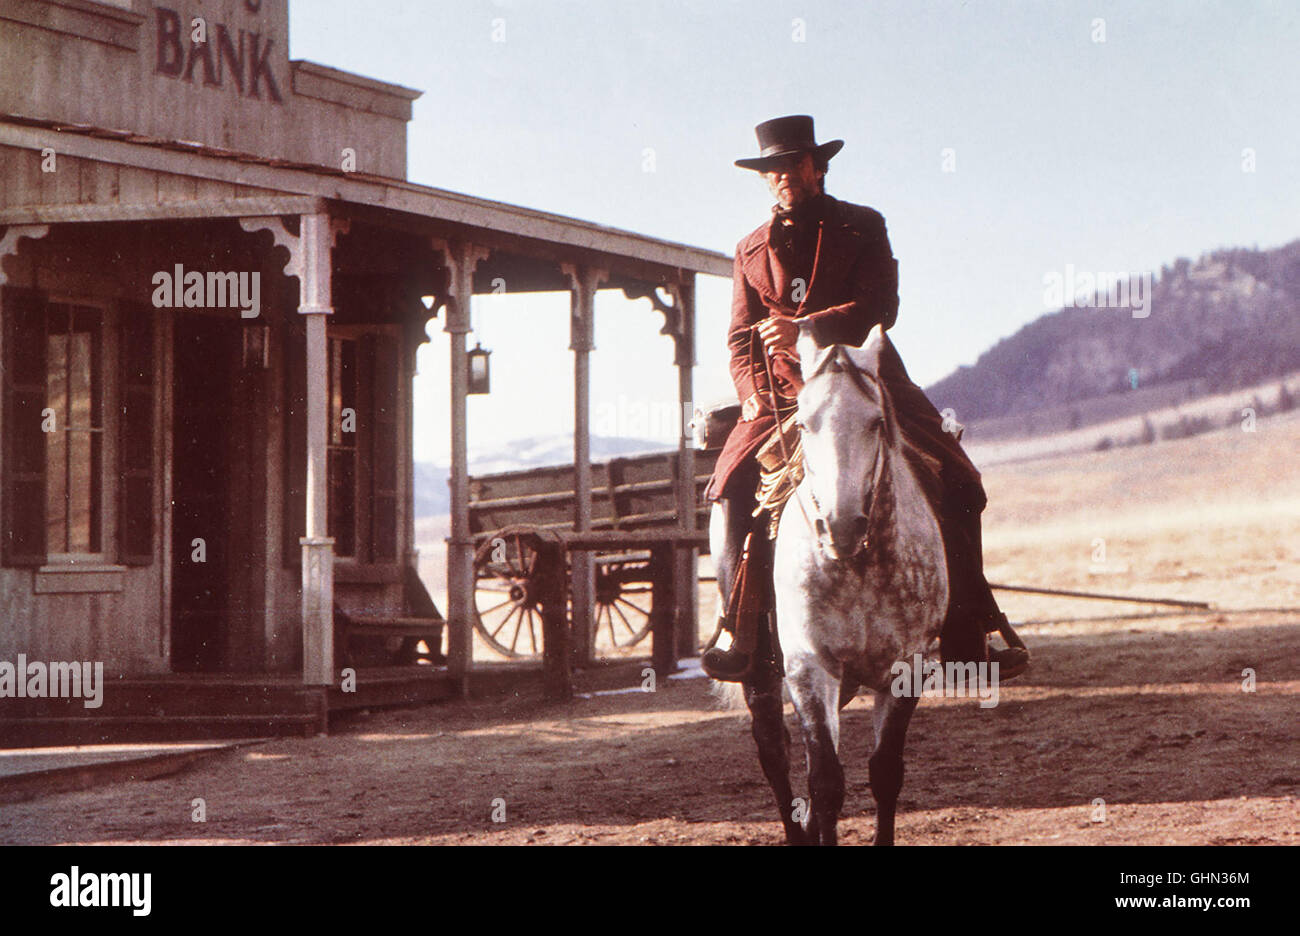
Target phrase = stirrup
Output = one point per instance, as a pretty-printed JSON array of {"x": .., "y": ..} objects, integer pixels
[
  {"x": 1009, "y": 634},
  {"x": 1014, "y": 660},
  {"x": 1011, "y": 662}
]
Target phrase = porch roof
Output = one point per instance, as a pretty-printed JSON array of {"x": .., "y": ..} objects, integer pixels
[{"x": 289, "y": 188}]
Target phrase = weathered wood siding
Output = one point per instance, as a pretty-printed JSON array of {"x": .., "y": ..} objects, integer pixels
[{"x": 119, "y": 69}]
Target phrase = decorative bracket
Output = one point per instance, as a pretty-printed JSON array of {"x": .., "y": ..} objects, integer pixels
[
  {"x": 12, "y": 235},
  {"x": 583, "y": 283},
  {"x": 283, "y": 238},
  {"x": 460, "y": 260},
  {"x": 416, "y": 321},
  {"x": 677, "y": 324}
]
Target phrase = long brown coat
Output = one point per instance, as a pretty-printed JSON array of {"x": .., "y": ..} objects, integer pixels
[{"x": 852, "y": 287}]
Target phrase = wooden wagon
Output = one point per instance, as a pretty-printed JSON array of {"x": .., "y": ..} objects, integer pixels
[{"x": 635, "y": 529}]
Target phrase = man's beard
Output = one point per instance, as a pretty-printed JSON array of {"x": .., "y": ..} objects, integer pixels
[{"x": 808, "y": 207}]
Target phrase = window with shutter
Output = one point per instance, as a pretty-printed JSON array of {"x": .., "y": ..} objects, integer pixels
[
  {"x": 23, "y": 496},
  {"x": 55, "y": 487},
  {"x": 362, "y": 456},
  {"x": 74, "y": 432},
  {"x": 343, "y": 468}
]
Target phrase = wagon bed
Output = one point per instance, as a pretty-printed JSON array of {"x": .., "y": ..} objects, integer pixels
[{"x": 633, "y": 541}]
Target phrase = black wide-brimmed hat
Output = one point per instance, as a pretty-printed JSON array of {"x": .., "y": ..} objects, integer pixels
[{"x": 782, "y": 136}]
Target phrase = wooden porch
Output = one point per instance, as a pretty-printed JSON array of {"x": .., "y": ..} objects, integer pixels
[{"x": 201, "y": 707}]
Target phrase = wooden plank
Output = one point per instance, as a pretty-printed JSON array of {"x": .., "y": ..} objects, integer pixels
[
  {"x": 97, "y": 183},
  {"x": 619, "y": 539},
  {"x": 137, "y": 186},
  {"x": 212, "y": 190},
  {"x": 385, "y": 620},
  {"x": 366, "y": 574},
  {"x": 24, "y": 174},
  {"x": 150, "y": 210},
  {"x": 63, "y": 185},
  {"x": 174, "y": 188}
]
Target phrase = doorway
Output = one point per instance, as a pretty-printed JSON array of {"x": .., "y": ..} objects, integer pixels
[{"x": 206, "y": 362}]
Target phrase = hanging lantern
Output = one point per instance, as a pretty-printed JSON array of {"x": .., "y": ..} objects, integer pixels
[{"x": 479, "y": 373}]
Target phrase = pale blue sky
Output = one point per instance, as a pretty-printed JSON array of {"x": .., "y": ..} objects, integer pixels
[{"x": 1114, "y": 155}]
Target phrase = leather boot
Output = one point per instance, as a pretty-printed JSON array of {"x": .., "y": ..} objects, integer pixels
[
  {"x": 1013, "y": 660},
  {"x": 973, "y": 612},
  {"x": 730, "y": 665},
  {"x": 744, "y": 615}
]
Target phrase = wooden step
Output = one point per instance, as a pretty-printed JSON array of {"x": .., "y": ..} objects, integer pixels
[
  {"x": 389, "y": 625},
  {"x": 172, "y": 698},
  {"x": 57, "y": 731}
]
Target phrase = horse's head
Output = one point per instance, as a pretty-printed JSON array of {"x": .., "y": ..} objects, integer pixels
[{"x": 846, "y": 423}]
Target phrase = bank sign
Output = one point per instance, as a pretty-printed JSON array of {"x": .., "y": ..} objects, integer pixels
[{"x": 208, "y": 53}]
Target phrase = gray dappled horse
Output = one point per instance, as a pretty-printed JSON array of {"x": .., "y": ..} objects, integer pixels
[{"x": 860, "y": 582}]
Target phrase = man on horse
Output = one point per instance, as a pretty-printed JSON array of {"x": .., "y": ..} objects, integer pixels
[{"x": 827, "y": 263}]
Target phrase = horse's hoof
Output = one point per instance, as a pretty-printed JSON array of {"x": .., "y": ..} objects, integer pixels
[{"x": 795, "y": 835}]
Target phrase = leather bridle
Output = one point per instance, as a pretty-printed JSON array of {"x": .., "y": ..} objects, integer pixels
[{"x": 869, "y": 386}]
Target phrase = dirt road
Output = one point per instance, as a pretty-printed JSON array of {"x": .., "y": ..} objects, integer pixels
[{"x": 1149, "y": 716}]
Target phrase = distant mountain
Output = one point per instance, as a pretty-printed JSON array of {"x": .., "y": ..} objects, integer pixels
[
  {"x": 432, "y": 496},
  {"x": 1230, "y": 320}
]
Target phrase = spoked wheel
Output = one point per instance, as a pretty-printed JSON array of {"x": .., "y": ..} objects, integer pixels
[
  {"x": 623, "y": 593},
  {"x": 507, "y": 610}
]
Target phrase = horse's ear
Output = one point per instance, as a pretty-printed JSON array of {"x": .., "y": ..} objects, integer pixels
[
  {"x": 808, "y": 349},
  {"x": 867, "y": 355},
  {"x": 874, "y": 340}
]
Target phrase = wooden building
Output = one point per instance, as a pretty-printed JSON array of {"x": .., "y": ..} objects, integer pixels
[{"x": 212, "y": 270}]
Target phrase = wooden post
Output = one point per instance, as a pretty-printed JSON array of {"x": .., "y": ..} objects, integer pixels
[
  {"x": 461, "y": 260},
  {"x": 585, "y": 281},
  {"x": 557, "y": 649},
  {"x": 687, "y": 559},
  {"x": 664, "y": 609},
  {"x": 315, "y": 300}
]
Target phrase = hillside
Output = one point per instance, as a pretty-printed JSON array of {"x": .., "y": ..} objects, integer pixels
[{"x": 1229, "y": 320}]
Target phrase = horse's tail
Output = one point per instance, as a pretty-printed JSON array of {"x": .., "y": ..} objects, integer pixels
[
  {"x": 727, "y": 696},
  {"x": 730, "y": 696}
]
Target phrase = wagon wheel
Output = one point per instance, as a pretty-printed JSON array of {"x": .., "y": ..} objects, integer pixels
[
  {"x": 623, "y": 593},
  {"x": 507, "y": 610}
]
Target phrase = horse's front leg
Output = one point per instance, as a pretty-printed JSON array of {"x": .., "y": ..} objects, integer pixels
[
  {"x": 772, "y": 738},
  {"x": 816, "y": 695},
  {"x": 890, "y": 717}
]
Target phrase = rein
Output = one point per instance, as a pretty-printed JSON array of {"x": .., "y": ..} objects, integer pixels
[
  {"x": 787, "y": 461},
  {"x": 861, "y": 379},
  {"x": 862, "y": 382}
]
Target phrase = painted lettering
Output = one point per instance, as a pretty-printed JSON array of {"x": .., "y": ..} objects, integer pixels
[
  {"x": 261, "y": 66},
  {"x": 170, "y": 54},
  {"x": 242, "y": 55}
]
